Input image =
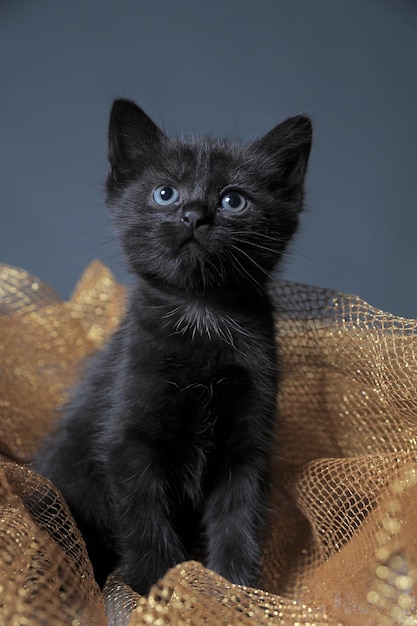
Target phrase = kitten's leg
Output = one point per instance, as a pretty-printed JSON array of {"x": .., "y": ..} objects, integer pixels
[
  {"x": 233, "y": 521},
  {"x": 147, "y": 541}
]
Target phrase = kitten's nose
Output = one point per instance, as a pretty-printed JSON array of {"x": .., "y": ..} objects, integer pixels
[{"x": 194, "y": 215}]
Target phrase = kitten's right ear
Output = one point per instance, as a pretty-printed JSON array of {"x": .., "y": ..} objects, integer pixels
[{"x": 132, "y": 135}]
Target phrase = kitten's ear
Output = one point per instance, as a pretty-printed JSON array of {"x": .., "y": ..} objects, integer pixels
[
  {"x": 132, "y": 135},
  {"x": 288, "y": 144}
]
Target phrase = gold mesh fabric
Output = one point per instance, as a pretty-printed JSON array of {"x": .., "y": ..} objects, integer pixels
[{"x": 340, "y": 544}]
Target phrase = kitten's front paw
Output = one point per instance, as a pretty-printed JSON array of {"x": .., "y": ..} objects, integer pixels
[
  {"x": 237, "y": 561},
  {"x": 141, "y": 574},
  {"x": 238, "y": 574}
]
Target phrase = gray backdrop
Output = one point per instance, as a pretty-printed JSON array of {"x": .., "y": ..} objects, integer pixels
[{"x": 226, "y": 67}]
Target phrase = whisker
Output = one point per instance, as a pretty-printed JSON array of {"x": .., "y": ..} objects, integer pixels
[
  {"x": 263, "y": 270},
  {"x": 285, "y": 253},
  {"x": 244, "y": 272},
  {"x": 256, "y": 245},
  {"x": 261, "y": 236}
]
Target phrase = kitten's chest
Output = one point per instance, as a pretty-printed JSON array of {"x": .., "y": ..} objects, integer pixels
[
  {"x": 197, "y": 384},
  {"x": 202, "y": 326},
  {"x": 207, "y": 404},
  {"x": 196, "y": 365},
  {"x": 202, "y": 354}
]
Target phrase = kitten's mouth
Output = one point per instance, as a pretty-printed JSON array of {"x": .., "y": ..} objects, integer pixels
[{"x": 190, "y": 241}]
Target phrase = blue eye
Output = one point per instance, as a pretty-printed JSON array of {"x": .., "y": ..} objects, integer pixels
[
  {"x": 165, "y": 195},
  {"x": 233, "y": 202}
]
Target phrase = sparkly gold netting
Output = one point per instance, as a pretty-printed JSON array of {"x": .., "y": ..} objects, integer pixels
[{"x": 340, "y": 547}]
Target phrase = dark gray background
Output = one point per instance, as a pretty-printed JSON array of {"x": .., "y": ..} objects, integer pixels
[{"x": 225, "y": 67}]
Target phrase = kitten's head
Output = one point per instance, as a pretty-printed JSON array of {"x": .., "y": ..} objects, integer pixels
[{"x": 204, "y": 214}]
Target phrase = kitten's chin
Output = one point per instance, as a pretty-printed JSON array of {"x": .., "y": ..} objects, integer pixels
[
  {"x": 190, "y": 244},
  {"x": 192, "y": 272},
  {"x": 191, "y": 252}
]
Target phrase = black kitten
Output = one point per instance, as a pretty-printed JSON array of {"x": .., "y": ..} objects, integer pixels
[{"x": 169, "y": 434}]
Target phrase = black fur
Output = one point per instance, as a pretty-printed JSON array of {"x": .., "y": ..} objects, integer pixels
[{"x": 169, "y": 434}]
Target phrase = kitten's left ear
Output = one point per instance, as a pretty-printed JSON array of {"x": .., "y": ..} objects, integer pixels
[
  {"x": 288, "y": 144},
  {"x": 132, "y": 136}
]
